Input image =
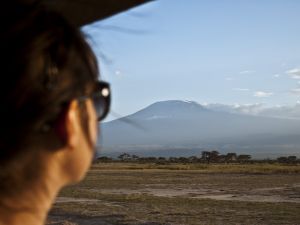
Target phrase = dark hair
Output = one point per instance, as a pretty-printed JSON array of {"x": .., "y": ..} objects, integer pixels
[{"x": 45, "y": 62}]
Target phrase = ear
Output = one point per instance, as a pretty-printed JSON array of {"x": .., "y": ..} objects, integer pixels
[{"x": 67, "y": 127}]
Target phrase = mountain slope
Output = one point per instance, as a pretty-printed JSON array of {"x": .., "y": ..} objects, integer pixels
[{"x": 184, "y": 124}]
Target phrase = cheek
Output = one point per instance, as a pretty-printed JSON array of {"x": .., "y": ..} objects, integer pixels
[
  {"x": 93, "y": 132},
  {"x": 93, "y": 125}
]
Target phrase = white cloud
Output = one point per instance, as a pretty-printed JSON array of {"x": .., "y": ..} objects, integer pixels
[
  {"x": 262, "y": 94},
  {"x": 294, "y": 73},
  {"x": 247, "y": 72},
  {"x": 241, "y": 89},
  {"x": 292, "y": 112},
  {"x": 259, "y": 109},
  {"x": 295, "y": 91},
  {"x": 118, "y": 73},
  {"x": 276, "y": 75},
  {"x": 252, "y": 109},
  {"x": 229, "y": 78},
  {"x": 249, "y": 108},
  {"x": 295, "y": 76}
]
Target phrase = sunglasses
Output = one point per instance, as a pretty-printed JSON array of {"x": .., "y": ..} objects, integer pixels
[{"x": 101, "y": 99}]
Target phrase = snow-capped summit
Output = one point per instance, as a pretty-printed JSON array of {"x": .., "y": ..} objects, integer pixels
[{"x": 168, "y": 109}]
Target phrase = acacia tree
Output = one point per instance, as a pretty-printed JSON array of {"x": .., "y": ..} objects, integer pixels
[
  {"x": 214, "y": 155},
  {"x": 243, "y": 158},
  {"x": 292, "y": 159},
  {"x": 208, "y": 157},
  {"x": 230, "y": 157},
  {"x": 135, "y": 157},
  {"x": 205, "y": 156},
  {"x": 282, "y": 159},
  {"x": 124, "y": 157},
  {"x": 193, "y": 159}
]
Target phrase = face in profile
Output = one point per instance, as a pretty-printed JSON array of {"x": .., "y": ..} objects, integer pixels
[{"x": 81, "y": 143}]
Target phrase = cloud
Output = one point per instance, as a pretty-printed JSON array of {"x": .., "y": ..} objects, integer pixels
[
  {"x": 262, "y": 94},
  {"x": 294, "y": 73},
  {"x": 241, "y": 89},
  {"x": 295, "y": 91},
  {"x": 229, "y": 78},
  {"x": 119, "y": 73},
  {"x": 247, "y": 72},
  {"x": 292, "y": 112},
  {"x": 276, "y": 75},
  {"x": 295, "y": 76},
  {"x": 259, "y": 109},
  {"x": 249, "y": 108},
  {"x": 252, "y": 109}
]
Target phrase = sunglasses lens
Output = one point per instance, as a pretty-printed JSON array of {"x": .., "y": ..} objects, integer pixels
[
  {"x": 102, "y": 103},
  {"x": 99, "y": 106}
]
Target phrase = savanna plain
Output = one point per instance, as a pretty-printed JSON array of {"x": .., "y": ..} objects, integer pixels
[{"x": 176, "y": 194}]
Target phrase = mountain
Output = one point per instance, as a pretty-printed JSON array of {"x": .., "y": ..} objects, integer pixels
[{"x": 178, "y": 127}]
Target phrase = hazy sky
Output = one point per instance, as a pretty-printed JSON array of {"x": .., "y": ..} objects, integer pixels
[{"x": 209, "y": 51}]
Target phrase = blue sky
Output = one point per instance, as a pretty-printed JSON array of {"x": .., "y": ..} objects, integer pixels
[{"x": 209, "y": 51}]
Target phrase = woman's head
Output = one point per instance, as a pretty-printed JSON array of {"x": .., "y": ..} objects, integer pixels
[{"x": 47, "y": 66}]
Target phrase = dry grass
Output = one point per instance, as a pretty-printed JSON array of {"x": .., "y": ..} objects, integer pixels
[
  {"x": 258, "y": 168},
  {"x": 136, "y": 209},
  {"x": 117, "y": 191}
]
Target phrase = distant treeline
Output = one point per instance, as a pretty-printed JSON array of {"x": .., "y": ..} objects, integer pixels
[{"x": 205, "y": 157}]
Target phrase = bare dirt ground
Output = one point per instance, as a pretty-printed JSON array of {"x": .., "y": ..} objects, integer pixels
[{"x": 178, "y": 197}]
